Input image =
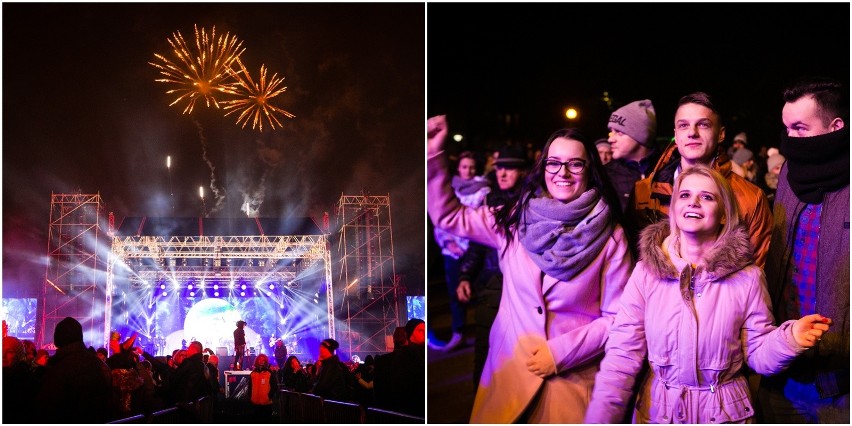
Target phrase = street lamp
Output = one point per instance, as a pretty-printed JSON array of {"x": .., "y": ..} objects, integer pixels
[{"x": 571, "y": 114}]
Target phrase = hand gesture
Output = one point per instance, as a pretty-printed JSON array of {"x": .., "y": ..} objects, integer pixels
[
  {"x": 436, "y": 133},
  {"x": 809, "y": 329},
  {"x": 463, "y": 291},
  {"x": 541, "y": 362}
]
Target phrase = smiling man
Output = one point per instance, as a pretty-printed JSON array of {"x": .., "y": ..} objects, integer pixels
[{"x": 699, "y": 132}]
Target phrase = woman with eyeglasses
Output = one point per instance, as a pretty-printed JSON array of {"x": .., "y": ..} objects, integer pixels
[{"x": 565, "y": 260}]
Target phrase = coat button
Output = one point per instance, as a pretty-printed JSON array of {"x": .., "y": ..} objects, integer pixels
[
  {"x": 747, "y": 409},
  {"x": 712, "y": 419}
]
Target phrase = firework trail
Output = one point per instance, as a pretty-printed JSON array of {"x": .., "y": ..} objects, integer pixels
[
  {"x": 201, "y": 73},
  {"x": 254, "y": 104},
  {"x": 218, "y": 195},
  {"x": 253, "y": 200}
]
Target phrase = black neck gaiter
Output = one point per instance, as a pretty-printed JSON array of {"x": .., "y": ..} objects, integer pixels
[{"x": 817, "y": 164}]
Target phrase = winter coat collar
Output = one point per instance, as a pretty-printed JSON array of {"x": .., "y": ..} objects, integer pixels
[
  {"x": 658, "y": 252},
  {"x": 664, "y": 172}
]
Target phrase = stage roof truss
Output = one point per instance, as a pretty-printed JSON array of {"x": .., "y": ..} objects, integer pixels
[{"x": 218, "y": 247}]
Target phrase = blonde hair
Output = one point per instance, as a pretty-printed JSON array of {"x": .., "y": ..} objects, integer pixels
[{"x": 730, "y": 210}]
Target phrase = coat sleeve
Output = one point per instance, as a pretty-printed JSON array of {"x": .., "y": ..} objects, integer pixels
[
  {"x": 768, "y": 349},
  {"x": 625, "y": 353},
  {"x": 587, "y": 342},
  {"x": 447, "y": 213},
  {"x": 760, "y": 229}
]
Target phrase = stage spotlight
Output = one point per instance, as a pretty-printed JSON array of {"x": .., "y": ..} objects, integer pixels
[
  {"x": 232, "y": 283},
  {"x": 164, "y": 294},
  {"x": 216, "y": 294},
  {"x": 189, "y": 287},
  {"x": 271, "y": 286},
  {"x": 243, "y": 287},
  {"x": 216, "y": 287},
  {"x": 191, "y": 294},
  {"x": 242, "y": 293},
  {"x": 162, "y": 286}
]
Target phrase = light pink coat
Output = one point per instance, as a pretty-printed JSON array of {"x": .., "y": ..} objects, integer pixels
[
  {"x": 697, "y": 343},
  {"x": 573, "y": 318}
]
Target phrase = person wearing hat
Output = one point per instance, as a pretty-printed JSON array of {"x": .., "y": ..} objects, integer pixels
[
  {"x": 480, "y": 278},
  {"x": 632, "y": 131},
  {"x": 773, "y": 170},
  {"x": 743, "y": 164},
  {"x": 77, "y": 385},
  {"x": 604, "y": 150},
  {"x": 333, "y": 378},
  {"x": 699, "y": 132},
  {"x": 739, "y": 142},
  {"x": 471, "y": 191},
  {"x": 239, "y": 344}
]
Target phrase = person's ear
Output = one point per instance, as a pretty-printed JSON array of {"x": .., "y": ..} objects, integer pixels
[{"x": 836, "y": 124}]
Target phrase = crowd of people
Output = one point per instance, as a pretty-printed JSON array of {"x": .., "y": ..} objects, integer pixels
[
  {"x": 687, "y": 282},
  {"x": 79, "y": 384}
]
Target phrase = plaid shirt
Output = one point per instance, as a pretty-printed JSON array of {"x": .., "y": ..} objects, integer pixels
[{"x": 801, "y": 296}]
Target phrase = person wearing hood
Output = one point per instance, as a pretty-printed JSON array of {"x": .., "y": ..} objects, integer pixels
[
  {"x": 565, "y": 259},
  {"x": 699, "y": 132},
  {"x": 697, "y": 307},
  {"x": 807, "y": 268}
]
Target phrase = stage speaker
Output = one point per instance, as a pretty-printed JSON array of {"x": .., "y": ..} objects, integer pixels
[{"x": 221, "y": 351}]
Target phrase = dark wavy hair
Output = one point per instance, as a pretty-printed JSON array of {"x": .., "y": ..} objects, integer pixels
[{"x": 508, "y": 218}]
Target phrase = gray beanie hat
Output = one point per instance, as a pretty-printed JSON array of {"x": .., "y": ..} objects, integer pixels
[
  {"x": 638, "y": 120},
  {"x": 742, "y": 155}
]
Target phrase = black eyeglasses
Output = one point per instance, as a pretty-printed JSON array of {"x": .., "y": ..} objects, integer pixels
[{"x": 575, "y": 167}]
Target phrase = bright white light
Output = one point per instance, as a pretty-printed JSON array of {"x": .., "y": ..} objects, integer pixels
[
  {"x": 162, "y": 286},
  {"x": 216, "y": 287},
  {"x": 242, "y": 293},
  {"x": 216, "y": 294},
  {"x": 190, "y": 287},
  {"x": 271, "y": 286},
  {"x": 201, "y": 191},
  {"x": 191, "y": 294},
  {"x": 168, "y": 161},
  {"x": 243, "y": 286}
]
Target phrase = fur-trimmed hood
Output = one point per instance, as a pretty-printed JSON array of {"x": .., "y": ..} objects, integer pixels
[{"x": 732, "y": 255}]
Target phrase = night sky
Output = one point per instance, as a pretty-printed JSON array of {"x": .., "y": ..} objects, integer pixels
[
  {"x": 531, "y": 61},
  {"x": 82, "y": 113}
]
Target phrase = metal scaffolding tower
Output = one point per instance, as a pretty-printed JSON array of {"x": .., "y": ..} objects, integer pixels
[
  {"x": 74, "y": 282},
  {"x": 367, "y": 281}
]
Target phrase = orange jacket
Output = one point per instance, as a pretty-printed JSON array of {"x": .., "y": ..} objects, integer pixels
[{"x": 651, "y": 198}]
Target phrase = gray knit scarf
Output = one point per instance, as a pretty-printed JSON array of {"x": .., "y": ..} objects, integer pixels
[{"x": 563, "y": 238}]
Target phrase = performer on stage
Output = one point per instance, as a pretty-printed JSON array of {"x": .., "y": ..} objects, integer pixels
[{"x": 239, "y": 344}]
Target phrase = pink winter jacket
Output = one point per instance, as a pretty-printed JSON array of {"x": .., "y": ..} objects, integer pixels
[
  {"x": 572, "y": 318},
  {"x": 696, "y": 342}
]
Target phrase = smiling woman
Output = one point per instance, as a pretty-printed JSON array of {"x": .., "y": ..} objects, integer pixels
[
  {"x": 695, "y": 278},
  {"x": 565, "y": 259}
]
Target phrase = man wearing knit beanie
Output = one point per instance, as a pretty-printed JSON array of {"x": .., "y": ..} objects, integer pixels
[{"x": 632, "y": 133}]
